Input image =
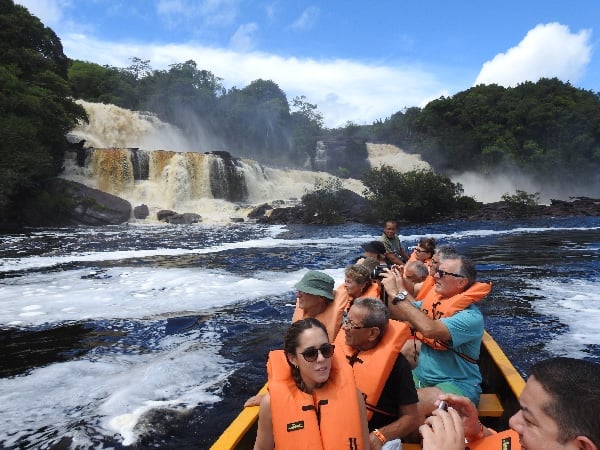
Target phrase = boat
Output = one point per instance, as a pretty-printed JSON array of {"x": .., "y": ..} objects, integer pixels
[{"x": 502, "y": 385}]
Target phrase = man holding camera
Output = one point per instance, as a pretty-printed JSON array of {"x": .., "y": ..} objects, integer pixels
[{"x": 450, "y": 327}]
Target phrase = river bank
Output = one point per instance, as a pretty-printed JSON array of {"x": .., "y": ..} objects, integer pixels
[{"x": 357, "y": 206}]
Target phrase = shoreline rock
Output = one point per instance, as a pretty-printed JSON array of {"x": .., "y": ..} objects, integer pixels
[{"x": 577, "y": 206}]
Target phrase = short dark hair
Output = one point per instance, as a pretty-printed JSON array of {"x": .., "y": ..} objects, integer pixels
[
  {"x": 574, "y": 387},
  {"x": 377, "y": 313},
  {"x": 466, "y": 269}
]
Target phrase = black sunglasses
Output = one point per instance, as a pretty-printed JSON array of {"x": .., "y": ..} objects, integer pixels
[
  {"x": 442, "y": 273},
  {"x": 311, "y": 353}
]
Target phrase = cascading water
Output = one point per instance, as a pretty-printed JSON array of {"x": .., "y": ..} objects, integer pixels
[{"x": 127, "y": 159}]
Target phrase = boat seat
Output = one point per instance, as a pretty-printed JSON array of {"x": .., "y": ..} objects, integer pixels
[{"x": 489, "y": 406}]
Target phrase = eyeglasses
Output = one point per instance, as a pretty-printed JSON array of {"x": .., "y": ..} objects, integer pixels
[
  {"x": 420, "y": 250},
  {"x": 347, "y": 323},
  {"x": 311, "y": 353},
  {"x": 442, "y": 273}
]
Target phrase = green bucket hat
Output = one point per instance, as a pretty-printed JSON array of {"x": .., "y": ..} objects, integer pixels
[{"x": 316, "y": 283}]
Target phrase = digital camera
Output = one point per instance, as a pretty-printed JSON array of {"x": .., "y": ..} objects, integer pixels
[{"x": 377, "y": 271}]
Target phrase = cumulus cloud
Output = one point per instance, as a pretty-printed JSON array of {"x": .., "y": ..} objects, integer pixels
[
  {"x": 547, "y": 51},
  {"x": 344, "y": 90}
]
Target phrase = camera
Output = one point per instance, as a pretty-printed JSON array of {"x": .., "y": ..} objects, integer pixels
[
  {"x": 377, "y": 271},
  {"x": 443, "y": 405}
]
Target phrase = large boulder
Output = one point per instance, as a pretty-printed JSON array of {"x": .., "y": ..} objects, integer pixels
[{"x": 90, "y": 206}]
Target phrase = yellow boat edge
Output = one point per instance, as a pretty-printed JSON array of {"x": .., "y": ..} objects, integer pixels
[{"x": 238, "y": 428}]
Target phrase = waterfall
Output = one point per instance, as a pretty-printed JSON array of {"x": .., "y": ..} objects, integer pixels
[{"x": 125, "y": 155}]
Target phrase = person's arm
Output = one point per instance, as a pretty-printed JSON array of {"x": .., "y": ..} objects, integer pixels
[
  {"x": 392, "y": 258},
  {"x": 393, "y": 283},
  {"x": 443, "y": 430},
  {"x": 264, "y": 435},
  {"x": 407, "y": 422}
]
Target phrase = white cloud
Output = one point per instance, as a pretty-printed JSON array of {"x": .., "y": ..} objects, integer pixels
[
  {"x": 242, "y": 40},
  {"x": 306, "y": 20},
  {"x": 548, "y": 51},
  {"x": 343, "y": 90},
  {"x": 48, "y": 11}
]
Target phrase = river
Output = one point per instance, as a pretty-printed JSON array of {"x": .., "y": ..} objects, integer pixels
[{"x": 152, "y": 336}]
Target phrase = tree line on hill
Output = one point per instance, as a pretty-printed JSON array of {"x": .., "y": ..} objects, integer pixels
[{"x": 547, "y": 129}]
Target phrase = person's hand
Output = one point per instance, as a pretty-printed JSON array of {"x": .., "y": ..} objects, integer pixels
[
  {"x": 254, "y": 400},
  {"x": 391, "y": 280},
  {"x": 443, "y": 430},
  {"x": 466, "y": 410}
]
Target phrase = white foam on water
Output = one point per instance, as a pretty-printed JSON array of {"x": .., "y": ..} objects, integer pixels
[
  {"x": 129, "y": 293},
  {"x": 110, "y": 392},
  {"x": 575, "y": 304}
]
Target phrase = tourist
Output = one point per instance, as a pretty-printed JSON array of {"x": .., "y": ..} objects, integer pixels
[
  {"x": 370, "y": 343},
  {"x": 313, "y": 401},
  {"x": 315, "y": 298},
  {"x": 560, "y": 406},
  {"x": 421, "y": 289},
  {"x": 394, "y": 251},
  {"x": 374, "y": 249},
  {"x": 424, "y": 250},
  {"x": 358, "y": 282},
  {"x": 450, "y": 326}
]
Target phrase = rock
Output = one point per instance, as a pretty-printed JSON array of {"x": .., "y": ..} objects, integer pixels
[
  {"x": 141, "y": 212},
  {"x": 91, "y": 206},
  {"x": 236, "y": 219},
  {"x": 184, "y": 219},
  {"x": 259, "y": 211},
  {"x": 164, "y": 214}
]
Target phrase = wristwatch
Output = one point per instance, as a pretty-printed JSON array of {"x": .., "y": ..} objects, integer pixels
[{"x": 399, "y": 297}]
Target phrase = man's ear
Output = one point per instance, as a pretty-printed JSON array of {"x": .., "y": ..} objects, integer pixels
[
  {"x": 374, "y": 333},
  {"x": 585, "y": 443}
]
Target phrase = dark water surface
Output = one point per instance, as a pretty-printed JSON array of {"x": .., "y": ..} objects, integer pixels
[{"x": 199, "y": 308}]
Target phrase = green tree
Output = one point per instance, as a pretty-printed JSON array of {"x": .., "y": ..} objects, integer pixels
[
  {"x": 307, "y": 126},
  {"x": 417, "y": 195},
  {"x": 521, "y": 202},
  {"x": 36, "y": 110},
  {"x": 322, "y": 203}
]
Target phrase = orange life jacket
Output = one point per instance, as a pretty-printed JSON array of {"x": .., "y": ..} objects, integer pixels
[
  {"x": 373, "y": 367},
  {"x": 435, "y": 307},
  {"x": 427, "y": 285},
  {"x": 331, "y": 317},
  {"x": 505, "y": 440},
  {"x": 413, "y": 257},
  {"x": 328, "y": 419},
  {"x": 342, "y": 296}
]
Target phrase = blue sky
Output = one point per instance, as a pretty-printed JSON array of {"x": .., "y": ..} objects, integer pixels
[{"x": 357, "y": 61}]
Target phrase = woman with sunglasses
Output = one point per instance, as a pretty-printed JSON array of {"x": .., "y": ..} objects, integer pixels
[
  {"x": 424, "y": 250},
  {"x": 313, "y": 401}
]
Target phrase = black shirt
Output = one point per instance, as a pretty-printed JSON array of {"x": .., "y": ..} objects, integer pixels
[{"x": 399, "y": 390}]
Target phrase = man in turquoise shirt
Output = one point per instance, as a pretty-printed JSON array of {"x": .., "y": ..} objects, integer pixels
[{"x": 454, "y": 369}]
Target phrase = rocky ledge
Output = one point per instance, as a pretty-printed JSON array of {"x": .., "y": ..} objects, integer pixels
[{"x": 576, "y": 206}]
